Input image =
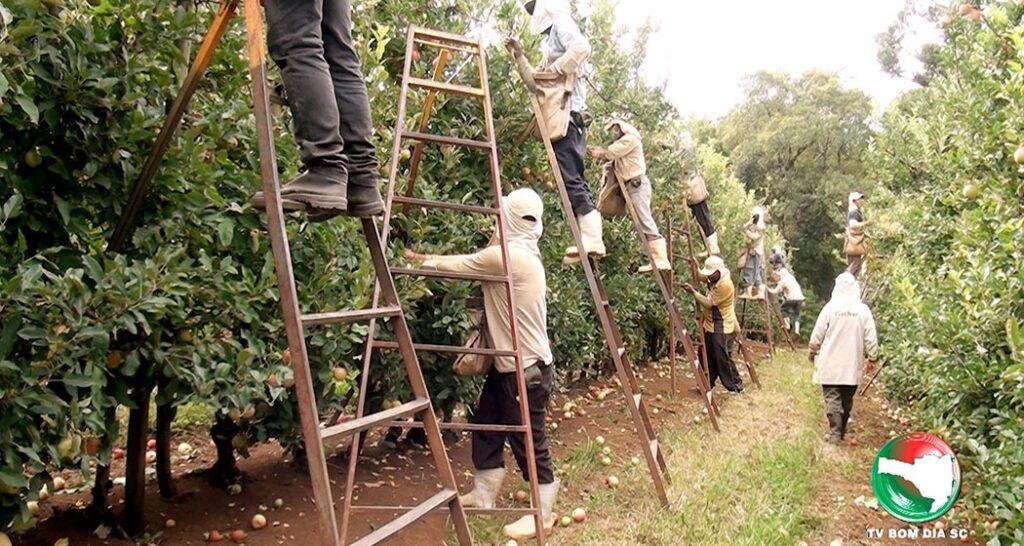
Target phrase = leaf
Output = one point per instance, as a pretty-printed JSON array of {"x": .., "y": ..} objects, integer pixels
[
  {"x": 63, "y": 208},
  {"x": 29, "y": 107},
  {"x": 12, "y": 477},
  {"x": 13, "y": 206},
  {"x": 226, "y": 231}
]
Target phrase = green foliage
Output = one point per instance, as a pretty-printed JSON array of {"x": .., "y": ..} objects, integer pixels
[{"x": 949, "y": 285}]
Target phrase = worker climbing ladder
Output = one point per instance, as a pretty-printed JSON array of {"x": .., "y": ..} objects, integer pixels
[
  {"x": 296, "y": 322},
  {"x": 770, "y": 315},
  {"x": 447, "y": 44},
  {"x": 748, "y": 360}
]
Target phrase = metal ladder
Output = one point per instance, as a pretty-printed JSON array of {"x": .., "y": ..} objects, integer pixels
[
  {"x": 446, "y": 43},
  {"x": 295, "y": 322},
  {"x": 649, "y": 444}
]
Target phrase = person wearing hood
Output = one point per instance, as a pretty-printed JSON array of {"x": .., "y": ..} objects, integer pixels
[
  {"x": 697, "y": 200},
  {"x": 311, "y": 42},
  {"x": 562, "y": 92},
  {"x": 854, "y": 245},
  {"x": 753, "y": 268},
  {"x": 498, "y": 402},
  {"x": 778, "y": 258},
  {"x": 792, "y": 298},
  {"x": 843, "y": 337},
  {"x": 719, "y": 322},
  {"x": 626, "y": 154}
]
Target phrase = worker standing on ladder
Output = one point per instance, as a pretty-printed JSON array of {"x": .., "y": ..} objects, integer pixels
[
  {"x": 626, "y": 154},
  {"x": 792, "y": 298},
  {"x": 753, "y": 268},
  {"x": 854, "y": 245},
  {"x": 562, "y": 94},
  {"x": 719, "y": 323},
  {"x": 697, "y": 196},
  {"x": 311, "y": 42},
  {"x": 498, "y": 402}
]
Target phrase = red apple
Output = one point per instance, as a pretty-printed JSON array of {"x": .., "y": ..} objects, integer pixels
[
  {"x": 521, "y": 496},
  {"x": 287, "y": 356},
  {"x": 151, "y": 444},
  {"x": 117, "y": 453},
  {"x": 238, "y": 535},
  {"x": 214, "y": 536},
  {"x": 966, "y": 8},
  {"x": 579, "y": 515},
  {"x": 976, "y": 15}
]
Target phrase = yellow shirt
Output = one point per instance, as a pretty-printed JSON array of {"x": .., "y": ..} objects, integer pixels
[{"x": 721, "y": 317}]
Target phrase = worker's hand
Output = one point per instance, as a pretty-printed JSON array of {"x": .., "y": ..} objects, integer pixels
[
  {"x": 811, "y": 355},
  {"x": 596, "y": 151},
  {"x": 413, "y": 256},
  {"x": 514, "y": 47},
  {"x": 872, "y": 366},
  {"x": 689, "y": 288}
]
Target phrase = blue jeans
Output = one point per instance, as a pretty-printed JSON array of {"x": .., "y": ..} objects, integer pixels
[{"x": 752, "y": 273}]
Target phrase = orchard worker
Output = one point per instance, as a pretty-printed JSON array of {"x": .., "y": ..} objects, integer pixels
[
  {"x": 311, "y": 42},
  {"x": 626, "y": 154},
  {"x": 854, "y": 245},
  {"x": 719, "y": 322},
  {"x": 792, "y": 298},
  {"x": 697, "y": 200},
  {"x": 498, "y": 403},
  {"x": 778, "y": 258},
  {"x": 562, "y": 92},
  {"x": 753, "y": 268},
  {"x": 843, "y": 337}
]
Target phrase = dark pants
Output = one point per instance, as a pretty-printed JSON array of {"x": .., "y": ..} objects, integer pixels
[
  {"x": 499, "y": 405},
  {"x": 720, "y": 363},
  {"x": 838, "y": 405},
  {"x": 311, "y": 42},
  {"x": 853, "y": 264},
  {"x": 570, "y": 152},
  {"x": 702, "y": 213},
  {"x": 791, "y": 309}
]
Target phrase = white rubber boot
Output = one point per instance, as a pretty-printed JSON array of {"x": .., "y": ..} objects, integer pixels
[
  {"x": 760, "y": 292},
  {"x": 592, "y": 233},
  {"x": 526, "y": 526},
  {"x": 486, "y": 485},
  {"x": 711, "y": 247},
  {"x": 785, "y": 323},
  {"x": 660, "y": 252},
  {"x": 796, "y": 327}
]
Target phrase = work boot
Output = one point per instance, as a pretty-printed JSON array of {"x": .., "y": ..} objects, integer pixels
[
  {"x": 526, "y": 526},
  {"x": 760, "y": 292},
  {"x": 591, "y": 231},
  {"x": 835, "y": 427},
  {"x": 486, "y": 484},
  {"x": 364, "y": 196},
  {"x": 785, "y": 323},
  {"x": 322, "y": 190},
  {"x": 712, "y": 247},
  {"x": 796, "y": 327},
  {"x": 660, "y": 253},
  {"x": 844, "y": 423}
]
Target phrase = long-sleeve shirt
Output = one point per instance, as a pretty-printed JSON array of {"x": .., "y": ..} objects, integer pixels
[
  {"x": 565, "y": 49},
  {"x": 627, "y": 155},
  {"x": 843, "y": 336},
  {"x": 530, "y": 296},
  {"x": 755, "y": 238},
  {"x": 789, "y": 288},
  {"x": 721, "y": 316}
]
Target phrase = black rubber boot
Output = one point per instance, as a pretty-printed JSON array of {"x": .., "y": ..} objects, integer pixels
[
  {"x": 364, "y": 196},
  {"x": 842, "y": 427},
  {"x": 835, "y": 426},
  {"x": 322, "y": 190}
]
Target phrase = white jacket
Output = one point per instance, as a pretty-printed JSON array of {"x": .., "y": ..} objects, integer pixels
[
  {"x": 788, "y": 286},
  {"x": 843, "y": 336}
]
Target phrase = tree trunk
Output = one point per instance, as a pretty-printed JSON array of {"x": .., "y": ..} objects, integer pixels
[
  {"x": 222, "y": 431},
  {"x": 135, "y": 469},
  {"x": 101, "y": 487}
]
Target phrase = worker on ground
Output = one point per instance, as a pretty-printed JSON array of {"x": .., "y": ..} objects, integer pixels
[
  {"x": 562, "y": 94},
  {"x": 697, "y": 199},
  {"x": 498, "y": 403},
  {"x": 843, "y": 337},
  {"x": 626, "y": 154},
  {"x": 854, "y": 245},
  {"x": 792, "y": 298},
  {"x": 778, "y": 258},
  {"x": 719, "y": 322},
  {"x": 311, "y": 42},
  {"x": 753, "y": 268}
]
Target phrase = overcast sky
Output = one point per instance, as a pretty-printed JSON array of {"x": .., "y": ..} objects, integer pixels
[{"x": 704, "y": 48}]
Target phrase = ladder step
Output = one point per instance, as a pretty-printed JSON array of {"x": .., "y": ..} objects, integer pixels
[
  {"x": 337, "y": 432},
  {"x": 412, "y": 516},
  {"x": 447, "y": 88},
  {"x": 429, "y": 204},
  {"x": 448, "y": 275},
  {"x": 484, "y": 427},
  {"x": 446, "y": 36},
  {"x": 440, "y": 139},
  {"x": 445, "y": 45},
  {"x": 458, "y": 349},
  {"x": 342, "y": 317}
]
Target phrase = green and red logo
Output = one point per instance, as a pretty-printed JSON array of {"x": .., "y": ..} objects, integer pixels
[{"x": 916, "y": 477}]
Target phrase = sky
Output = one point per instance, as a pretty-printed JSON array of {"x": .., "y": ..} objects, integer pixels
[{"x": 703, "y": 49}]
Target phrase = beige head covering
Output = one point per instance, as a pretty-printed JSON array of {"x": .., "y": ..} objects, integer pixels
[
  {"x": 524, "y": 212},
  {"x": 546, "y": 12},
  {"x": 624, "y": 126}
]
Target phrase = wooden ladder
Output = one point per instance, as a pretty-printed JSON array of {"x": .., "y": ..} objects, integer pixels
[
  {"x": 446, "y": 43},
  {"x": 771, "y": 312},
  {"x": 295, "y": 321}
]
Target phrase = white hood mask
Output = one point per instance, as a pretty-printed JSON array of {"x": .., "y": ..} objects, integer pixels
[
  {"x": 546, "y": 12},
  {"x": 850, "y": 205},
  {"x": 847, "y": 290},
  {"x": 759, "y": 212},
  {"x": 524, "y": 212}
]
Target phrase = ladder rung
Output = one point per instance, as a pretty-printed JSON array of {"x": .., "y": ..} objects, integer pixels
[
  {"x": 366, "y": 422},
  {"x": 398, "y": 524},
  {"x": 447, "y": 88},
  {"x": 437, "y": 34},
  {"x": 654, "y": 447},
  {"x": 496, "y": 511},
  {"x": 440, "y": 139},
  {"x": 342, "y": 317},
  {"x": 458, "y": 349},
  {"x": 483, "y": 427},
  {"x": 442, "y": 44},
  {"x": 429, "y": 204},
  {"x": 448, "y": 275}
]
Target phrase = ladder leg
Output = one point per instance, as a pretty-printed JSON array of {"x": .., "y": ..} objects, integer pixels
[{"x": 286, "y": 282}]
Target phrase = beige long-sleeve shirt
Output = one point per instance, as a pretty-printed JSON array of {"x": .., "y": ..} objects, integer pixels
[
  {"x": 627, "y": 154},
  {"x": 843, "y": 336},
  {"x": 530, "y": 296}
]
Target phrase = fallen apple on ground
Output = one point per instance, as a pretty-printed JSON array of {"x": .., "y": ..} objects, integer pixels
[
  {"x": 612, "y": 481},
  {"x": 214, "y": 536},
  {"x": 259, "y": 521},
  {"x": 566, "y": 521},
  {"x": 238, "y": 535},
  {"x": 579, "y": 515},
  {"x": 520, "y": 496}
]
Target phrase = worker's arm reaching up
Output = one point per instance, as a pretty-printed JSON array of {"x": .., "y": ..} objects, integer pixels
[
  {"x": 486, "y": 261},
  {"x": 577, "y": 47},
  {"x": 618, "y": 149}
]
